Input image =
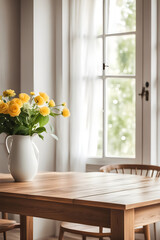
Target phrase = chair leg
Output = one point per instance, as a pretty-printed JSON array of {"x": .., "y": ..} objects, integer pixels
[
  {"x": 154, "y": 225},
  {"x": 4, "y": 236},
  {"x": 83, "y": 237},
  {"x": 61, "y": 233},
  {"x": 146, "y": 231}
]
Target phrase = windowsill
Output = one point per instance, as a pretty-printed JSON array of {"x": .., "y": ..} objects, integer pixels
[{"x": 94, "y": 164}]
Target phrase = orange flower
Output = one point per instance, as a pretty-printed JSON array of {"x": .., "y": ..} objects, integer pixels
[
  {"x": 18, "y": 101},
  {"x": 39, "y": 100},
  {"x": 51, "y": 103},
  {"x": 44, "y": 111},
  {"x": 65, "y": 112},
  {"x": 14, "y": 110},
  {"x": 3, "y": 107},
  {"x": 9, "y": 93},
  {"x": 44, "y": 96},
  {"x": 24, "y": 97}
]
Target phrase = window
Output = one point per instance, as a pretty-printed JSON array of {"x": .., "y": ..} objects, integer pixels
[{"x": 119, "y": 46}]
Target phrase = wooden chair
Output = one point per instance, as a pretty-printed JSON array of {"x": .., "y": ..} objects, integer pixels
[
  {"x": 6, "y": 225},
  {"x": 99, "y": 232},
  {"x": 84, "y": 230}
]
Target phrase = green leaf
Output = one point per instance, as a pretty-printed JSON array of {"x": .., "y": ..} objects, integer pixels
[
  {"x": 41, "y": 136},
  {"x": 41, "y": 120},
  {"x": 39, "y": 130},
  {"x": 24, "y": 114},
  {"x": 23, "y": 118},
  {"x": 54, "y": 114},
  {"x": 22, "y": 130},
  {"x": 19, "y": 120},
  {"x": 2, "y": 119}
]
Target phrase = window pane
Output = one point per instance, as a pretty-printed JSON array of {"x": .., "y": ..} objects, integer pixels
[
  {"x": 120, "y": 54},
  {"x": 121, "y": 16},
  {"x": 96, "y": 133},
  {"x": 120, "y": 111}
]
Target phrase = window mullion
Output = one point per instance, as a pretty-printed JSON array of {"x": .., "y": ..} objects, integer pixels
[
  {"x": 104, "y": 81},
  {"x": 117, "y": 34}
]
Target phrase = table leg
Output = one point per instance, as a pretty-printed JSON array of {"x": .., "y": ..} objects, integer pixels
[
  {"x": 122, "y": 224},
  {"x": 26, "y": 230}
]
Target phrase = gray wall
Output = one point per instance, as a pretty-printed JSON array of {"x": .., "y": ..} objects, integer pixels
[{"x": 9, "y": 57}]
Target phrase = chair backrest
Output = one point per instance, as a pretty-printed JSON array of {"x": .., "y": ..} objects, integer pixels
[{"x": 137, "y": 169}]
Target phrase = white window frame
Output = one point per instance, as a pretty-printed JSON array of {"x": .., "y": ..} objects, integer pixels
[
  {"x": 158, "y": 88},
  {"x": 150, "y": 113},
  {"x": 143, "y": 18}
]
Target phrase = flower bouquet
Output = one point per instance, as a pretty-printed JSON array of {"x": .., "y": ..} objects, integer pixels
[{"x": 28, "y": 114}]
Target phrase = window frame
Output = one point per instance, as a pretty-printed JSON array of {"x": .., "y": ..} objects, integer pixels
[{"x": 139, "y": 81}]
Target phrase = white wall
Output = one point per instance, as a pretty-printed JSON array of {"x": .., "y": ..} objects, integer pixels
[
  {"x": 44, "y": 66},
  {"x": 9, "y": 57},
  {"x": 44, "y": 80}
]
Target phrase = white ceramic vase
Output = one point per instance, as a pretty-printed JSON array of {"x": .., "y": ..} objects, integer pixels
[{"x": 23, "y": 157}]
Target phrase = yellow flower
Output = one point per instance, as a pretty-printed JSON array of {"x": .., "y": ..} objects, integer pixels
[
  {"x": 9, "y": 93},
  {"x": 44, "y": 96},
  {"x": 63, "y": 104},
  {"x": 44, "y": 111},
  {"x": 32, "y": 93},
  {"x": 14, "y": 110},
  {"x": 51, "y": 103},
  {"x": 24, "y": 97},
  {"x": 0, "y": 97},
  {"x": 39, "y": 100},
  {"x": 3, "y": 107},
  {"x": 65, "y": 112},
  {"x": 18, "y": 101}
]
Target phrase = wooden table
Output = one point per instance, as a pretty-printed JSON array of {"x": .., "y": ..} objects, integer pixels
[{"x": 121, "y": 202}]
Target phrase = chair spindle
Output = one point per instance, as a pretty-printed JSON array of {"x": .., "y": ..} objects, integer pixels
[
  {"x": 146, "y": 173},
  {"x": 152, "y": 173}
]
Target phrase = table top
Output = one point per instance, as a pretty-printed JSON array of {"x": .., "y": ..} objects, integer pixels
[{"x": 97, "y": 189}]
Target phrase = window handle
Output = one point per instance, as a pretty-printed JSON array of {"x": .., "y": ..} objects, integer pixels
[
  {"x": 142, "y": 93},
  {"x": 105, "y": 66},
  {"x": 145, "y": 92}
]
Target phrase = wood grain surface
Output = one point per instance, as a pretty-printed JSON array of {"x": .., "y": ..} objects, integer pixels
[
  {"x": 102, "y": 189},
  {"x": 89, "y": 198}
]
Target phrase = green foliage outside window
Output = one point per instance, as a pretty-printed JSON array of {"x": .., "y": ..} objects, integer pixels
[{"x": 121, "y": 93}]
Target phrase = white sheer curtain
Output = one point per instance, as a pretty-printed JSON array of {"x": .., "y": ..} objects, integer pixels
[{"x": 78, "y": 86}]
